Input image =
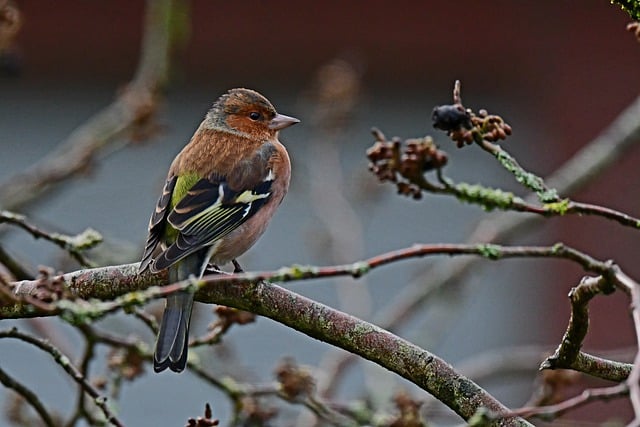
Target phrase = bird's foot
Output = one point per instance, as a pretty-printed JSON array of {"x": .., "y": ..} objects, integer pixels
[
  {"x": 236, "y": 267},
  {"x": 212, "y": 269}
]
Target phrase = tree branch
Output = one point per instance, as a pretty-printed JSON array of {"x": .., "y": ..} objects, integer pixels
[
  {"x": 250, "y": 292},
  {"x": 133, "y": 108},
  {"x": 111, "y": 282},
  {"x": 28, "y": 396},
  {"x": 74, "y": 245},
  {"x": 589, "y": 395},
  {"x": 64, "y": 363},
  {"x": 367, "y": 340},
  {"x": 622, "y": 134},
  {"x": 569, "y": 348}
]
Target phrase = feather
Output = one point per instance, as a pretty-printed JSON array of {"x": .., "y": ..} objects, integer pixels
[
  {"x": 173, "y": 337},
  {"x": 157, "y": 224},
  {"x": 201, "y": 224}
]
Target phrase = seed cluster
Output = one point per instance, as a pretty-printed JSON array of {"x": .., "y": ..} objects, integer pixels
[{"x": 404, "y": 162}]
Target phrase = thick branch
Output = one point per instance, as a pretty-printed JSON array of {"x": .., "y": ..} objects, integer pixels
[
  {"x": 332, "y": 326},
  {"x": 250, "y": 292},
  {"x": 599, "y": 367},
  {"x": 580, "y": 296},
  {"x": 369, "y": 341}
]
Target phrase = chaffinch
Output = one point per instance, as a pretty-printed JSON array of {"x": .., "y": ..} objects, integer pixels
[{"x": 221, "y": 191}]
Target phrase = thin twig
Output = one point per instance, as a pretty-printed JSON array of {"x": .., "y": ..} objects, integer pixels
[
  {"x": 147, "y": 319},
  {"x": 81, "y": 404},
  {"x": 237, "y": 391},
  {"x": 529, "y": 180},
  {"x": 29, "y": 396},
  {"x": 227, "y": 317},
  {"x": 502, "y": 361},
  {"x": 589, "y": 395},
  {"x": 118, "y": 281},
  {"x": 69, "y": 368},
  {"x": 554, "y": 205},
  {"x": 74, "y": 245},
  {"x": 405, "y": 167}
]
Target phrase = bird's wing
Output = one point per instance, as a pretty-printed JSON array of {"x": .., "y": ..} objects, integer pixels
[
  {"x": 212, "y": 208},
  {"x": 157, "y": 223}
]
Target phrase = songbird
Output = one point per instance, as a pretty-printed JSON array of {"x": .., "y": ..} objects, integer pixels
[{"x": 221, "y": 191}]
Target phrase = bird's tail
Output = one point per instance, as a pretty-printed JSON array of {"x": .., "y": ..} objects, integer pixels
[{"x": 173, "y": 337}]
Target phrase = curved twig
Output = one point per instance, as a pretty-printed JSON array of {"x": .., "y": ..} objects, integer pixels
[
  {"x": 29, "y": 396},
  {"x": 68, "y": 367},
  {"x": 74, "y": 245},
  {"x": 133, "y": 108}
]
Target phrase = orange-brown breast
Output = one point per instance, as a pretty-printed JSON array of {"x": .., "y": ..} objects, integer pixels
[{"x": 209, "y": 147}]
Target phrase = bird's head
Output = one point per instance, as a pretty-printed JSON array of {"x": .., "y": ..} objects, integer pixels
[{"x": 248, "y": 112}]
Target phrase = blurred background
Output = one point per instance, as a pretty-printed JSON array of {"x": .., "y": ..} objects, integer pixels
[{"x": 557, "y": 72}]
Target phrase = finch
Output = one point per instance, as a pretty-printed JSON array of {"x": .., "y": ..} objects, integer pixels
[{"x": 221, "y": 191}]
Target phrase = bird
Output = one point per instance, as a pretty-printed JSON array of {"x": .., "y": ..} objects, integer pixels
[{"x": 221, "y": 191}]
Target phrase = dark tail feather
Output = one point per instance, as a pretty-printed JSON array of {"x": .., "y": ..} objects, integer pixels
[{"x": 173, "y": 338}]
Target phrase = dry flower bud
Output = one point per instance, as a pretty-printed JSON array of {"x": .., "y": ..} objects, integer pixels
[{"x": 294, "y": 381}]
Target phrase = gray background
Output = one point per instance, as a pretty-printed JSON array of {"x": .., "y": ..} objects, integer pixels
[{"x": 556, "y": 87}]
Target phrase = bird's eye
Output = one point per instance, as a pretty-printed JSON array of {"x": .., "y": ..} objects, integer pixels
[{"x": 254, "y": 115}]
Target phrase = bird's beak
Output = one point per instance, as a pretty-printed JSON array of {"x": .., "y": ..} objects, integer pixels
[{"x": 280, "y": 121}]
